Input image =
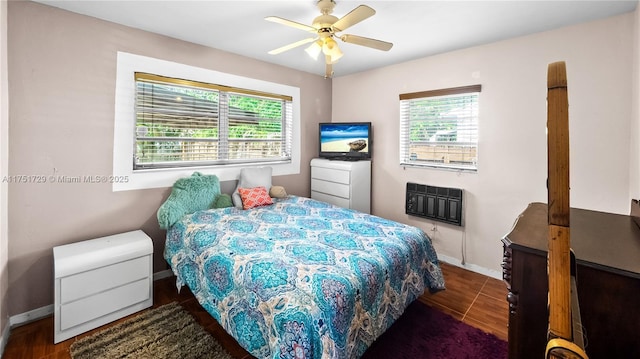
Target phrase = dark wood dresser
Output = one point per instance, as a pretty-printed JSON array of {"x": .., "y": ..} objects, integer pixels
[{"x": 607, "y": 250}]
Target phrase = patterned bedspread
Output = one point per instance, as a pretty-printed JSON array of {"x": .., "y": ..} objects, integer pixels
[{"x": 302, "y": 278}]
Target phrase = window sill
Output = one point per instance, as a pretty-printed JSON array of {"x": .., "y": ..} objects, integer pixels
[{"x": 439, "y": 167}]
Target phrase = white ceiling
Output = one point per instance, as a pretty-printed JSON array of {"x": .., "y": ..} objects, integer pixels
[{"x": 416, "y": 28}]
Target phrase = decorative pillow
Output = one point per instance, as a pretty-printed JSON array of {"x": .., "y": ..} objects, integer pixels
[
  {"x": 254, "y": 197},
  {"x": 188, "y": 195},
  {"x": 249, "y": 178},
  {"x": 223, "y": 201},
  {"x": 277, "y": 192}
]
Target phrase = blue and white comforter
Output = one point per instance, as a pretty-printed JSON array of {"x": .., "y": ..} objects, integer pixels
[{"x": 302, "y": 278}]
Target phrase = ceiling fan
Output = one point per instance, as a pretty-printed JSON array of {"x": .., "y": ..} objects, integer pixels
[{"x": 325, "y": 28}]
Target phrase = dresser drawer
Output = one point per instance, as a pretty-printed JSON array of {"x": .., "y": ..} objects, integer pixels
[
  {"x": 331, "y": 174},
  {"x": 338, "y": 201},
  {"x": 99, "y": 280},
  {"x": 96, "y": 306},
  {"x": 330, "y": 188}
]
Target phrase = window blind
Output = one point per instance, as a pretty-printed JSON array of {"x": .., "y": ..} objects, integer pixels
[
  {"x": 440, "y": 128},
  {"x": 186, "y": 123}
]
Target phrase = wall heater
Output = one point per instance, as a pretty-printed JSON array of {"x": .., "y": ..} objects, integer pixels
[{"x": 438, "y": 203}]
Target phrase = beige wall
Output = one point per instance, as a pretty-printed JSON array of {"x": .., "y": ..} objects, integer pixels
[
  {"x": 634, "y": 149},
  {"x": 4, "y": 168},
  {"x": 62, "y": 68},
  {"x": 62, "y": 72},
  {"x": 512, "y": 164}
]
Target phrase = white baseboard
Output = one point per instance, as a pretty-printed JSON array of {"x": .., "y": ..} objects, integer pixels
[
  {"x": 26, "y": 317},
  {"x": 162, "y": 274},
  {"x": 47, "y": 310},
  {"x": 472, "y": 267},
  {"x": 5, "y": 338}
]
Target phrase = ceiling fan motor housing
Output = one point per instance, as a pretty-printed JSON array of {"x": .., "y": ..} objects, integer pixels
[{"x": 324, "y": 22}]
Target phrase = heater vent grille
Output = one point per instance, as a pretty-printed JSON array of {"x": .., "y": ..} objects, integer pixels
[{"x": 438, "y": 203}]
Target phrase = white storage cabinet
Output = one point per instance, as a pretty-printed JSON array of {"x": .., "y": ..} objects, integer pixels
[
  {"x": 343, "y": 183},
  {"x": 100, "y": 280}
]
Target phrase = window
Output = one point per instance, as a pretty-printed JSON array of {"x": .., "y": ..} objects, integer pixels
[
  {"x": 178, "y": 127},
  {"x": 183, "y": 123},
  {"x": 440, "y": 128}
]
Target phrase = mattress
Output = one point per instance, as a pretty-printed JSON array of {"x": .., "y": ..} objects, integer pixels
[{"x": 302, "y": 278}]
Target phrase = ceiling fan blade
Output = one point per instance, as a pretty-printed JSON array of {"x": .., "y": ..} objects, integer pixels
[
  {"x": 294, "y": 24},
  {"x": 329, "y": 67},
  {"x": 291, "y": 46},
  {"x": 365, "y": 41},
  {"x": 355, "y": 16}
]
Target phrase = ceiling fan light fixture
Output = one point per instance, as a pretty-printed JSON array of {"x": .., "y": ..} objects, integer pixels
[
  {"x": 329, "y": 45},
  {"x": 331, "y": 49},
  {"x": 314, "y": 49},
  {"x": 335, "y": 55}
]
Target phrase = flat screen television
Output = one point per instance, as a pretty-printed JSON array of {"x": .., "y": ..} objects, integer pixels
[{"x": 348, "y": 141}]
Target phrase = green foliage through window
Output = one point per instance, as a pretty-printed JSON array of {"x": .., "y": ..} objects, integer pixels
[{"x": 185, "y": 123}]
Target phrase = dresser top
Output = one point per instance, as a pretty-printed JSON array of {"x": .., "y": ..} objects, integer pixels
[
  {"x": 86, "y": 255},
  {"x": 605, "y": 240}
]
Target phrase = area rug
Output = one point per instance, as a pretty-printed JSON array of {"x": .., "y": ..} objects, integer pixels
[
  {"x": 166, "y": 332},
  {"x": 426, "y": 333},
  {"x": 170, "y": 331}
]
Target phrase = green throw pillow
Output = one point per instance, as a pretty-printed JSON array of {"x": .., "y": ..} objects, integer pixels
[
  {"x": 188, "y": 195},
  {"x": 223, "y": 201}
]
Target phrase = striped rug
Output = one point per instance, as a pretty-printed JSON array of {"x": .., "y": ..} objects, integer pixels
[{"x": 166, "y": 332}]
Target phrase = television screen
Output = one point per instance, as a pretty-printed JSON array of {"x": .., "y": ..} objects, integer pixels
[{"x": 345, "y": 140}]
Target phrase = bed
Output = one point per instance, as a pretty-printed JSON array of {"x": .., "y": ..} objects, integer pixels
[{"x": 301, "y": 278}]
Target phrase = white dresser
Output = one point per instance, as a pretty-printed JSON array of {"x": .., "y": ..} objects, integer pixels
[
  {"x": 343, "y": 183},
  {"x": 100, "y": 280}
]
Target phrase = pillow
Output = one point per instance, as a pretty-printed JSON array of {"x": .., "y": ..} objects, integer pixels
[
  {"x": 250, "y": 178},
  {"x": 223, "y": 201},
  {"x": 188, "y": 195},
  {"x": 277, "y": 192},
  {"x": 254, "y": 197}
]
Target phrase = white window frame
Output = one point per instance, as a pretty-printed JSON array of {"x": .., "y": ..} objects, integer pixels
[
  {"x": 125, "y": 178},
  {"x": 471, "y": 125}
]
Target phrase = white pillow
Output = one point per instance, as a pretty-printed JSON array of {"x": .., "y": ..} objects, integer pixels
[{"x": 250, "y": 178}]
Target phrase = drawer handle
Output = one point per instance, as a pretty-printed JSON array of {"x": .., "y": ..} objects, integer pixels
[{"x": 512, "y": 298}]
